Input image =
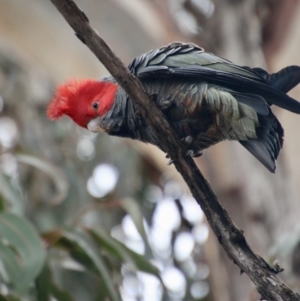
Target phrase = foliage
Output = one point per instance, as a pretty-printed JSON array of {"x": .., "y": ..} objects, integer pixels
[{"x": 23, "y": 254}]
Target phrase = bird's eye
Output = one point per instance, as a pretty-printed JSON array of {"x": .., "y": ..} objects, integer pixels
[{"x": 95, "y": 105}]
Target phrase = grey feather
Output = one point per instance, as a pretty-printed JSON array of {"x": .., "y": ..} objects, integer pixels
[{"x": 209, "y": 99}]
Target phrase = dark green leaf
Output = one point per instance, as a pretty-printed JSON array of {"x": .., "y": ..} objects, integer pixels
[
  {"x": 2, "y": 298},
  {"x": 2, "y": 203},
  {"x": 59, "y": 294},
  {"x": 83, "y": 250},
  {"x": 46, "y": 288},
  {"x": 119, "y": 250},
  {"x": 9, "y": 298},
  {"x": 43, "y": 285},
  {"x": 20, "y": 236}
]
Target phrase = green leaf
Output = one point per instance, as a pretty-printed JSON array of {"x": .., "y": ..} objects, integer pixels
[
  {"x": 43, "y": 284},
  {"x": 112, "y": 246},
  {"x": 58, "y": 178},
  {"x": 18, "y": 234},
  {"x": 2, "y": 204},
  {"x": 59, "y": 294},
  {"x": 9, "y": 298},
  {"x": 46, "y": 288},
  {"x": 11, "y": 264},
  {"x": 84, "y": 251},
  {"x": 11, "y": 195},
  {"x": 119, "y": 250},
  {"x": 131, "y": 207}
]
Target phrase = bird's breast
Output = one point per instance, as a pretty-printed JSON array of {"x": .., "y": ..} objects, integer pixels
[{"x": 206, "y": 112}]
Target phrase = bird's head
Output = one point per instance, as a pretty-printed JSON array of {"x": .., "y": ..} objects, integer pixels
[{"x": 83, "y": 101}]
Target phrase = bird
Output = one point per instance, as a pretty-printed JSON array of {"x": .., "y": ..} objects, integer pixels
[{"x": 205, "y": 98}]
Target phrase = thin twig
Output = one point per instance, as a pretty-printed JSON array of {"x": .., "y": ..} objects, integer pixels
[{"x": 232, "y": 239}]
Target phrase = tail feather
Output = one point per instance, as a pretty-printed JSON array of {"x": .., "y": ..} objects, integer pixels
[
  {"x": 260, "y": 150},
  {"x": 286, "y": 79},
  {"x": 267, "y": 145}
]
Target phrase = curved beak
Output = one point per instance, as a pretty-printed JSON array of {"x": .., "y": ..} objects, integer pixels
[{"x": 95, "y": 125}]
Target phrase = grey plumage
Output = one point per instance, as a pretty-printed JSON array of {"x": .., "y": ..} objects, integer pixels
[{"x": 207, "y": 99}]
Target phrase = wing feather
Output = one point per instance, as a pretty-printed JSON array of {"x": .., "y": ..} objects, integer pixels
[{"x": 190, "y": 62}]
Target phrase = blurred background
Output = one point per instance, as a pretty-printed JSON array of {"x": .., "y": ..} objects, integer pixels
[{"x": 93, "y": 217}]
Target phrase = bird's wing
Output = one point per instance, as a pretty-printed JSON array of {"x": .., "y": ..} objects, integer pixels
[
  {"x": 190, "y": 62},
  {"x": 188, "y": 58}
]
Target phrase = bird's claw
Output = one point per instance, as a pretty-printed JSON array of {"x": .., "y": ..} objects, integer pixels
[
  {"x": 276, "y": 267},
  {"x": 194, "y": 154},
  {"x": 189, "y": 153},
  {"x": 170, "y": 162},
  {"x": 198, "y": 154}
]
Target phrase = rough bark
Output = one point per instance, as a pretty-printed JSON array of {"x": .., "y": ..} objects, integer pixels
[{"x": 232, "y": 239}]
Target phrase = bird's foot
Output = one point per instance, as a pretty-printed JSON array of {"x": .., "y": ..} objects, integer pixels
[
  {"x": 194, "y": 154},
  {"x": 170, "y": 161},
  {"x": 277, "y": 267}
]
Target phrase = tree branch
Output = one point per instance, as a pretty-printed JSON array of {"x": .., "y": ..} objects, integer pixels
[{"x": 232, "y": 239}]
